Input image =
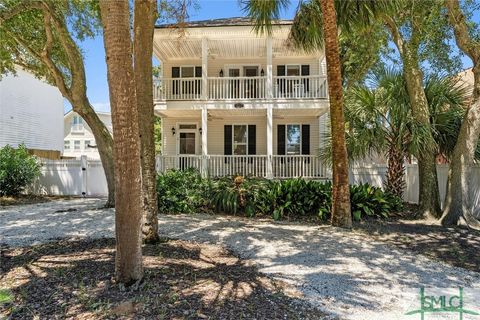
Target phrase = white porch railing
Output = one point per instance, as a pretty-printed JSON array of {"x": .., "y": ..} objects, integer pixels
[
  {"x": 227, "y": 88},
  {"x": 292, "y": 166},
  {"x": 289, "y": 87},
  {"x": 182, "y": 162},
  {"x": 253, "y": 165},
  {"x": 177, "y": 88},
  {"x": 240, "y": 88}
]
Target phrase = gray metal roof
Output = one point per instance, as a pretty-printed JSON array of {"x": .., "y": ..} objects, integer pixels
[{"x": 223, "y": 22}]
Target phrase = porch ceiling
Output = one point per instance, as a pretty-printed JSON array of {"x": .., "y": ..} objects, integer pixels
[
  {"x": 179, "y": 113},
  {"x": 237, "y": 43},
  {"x": 291, "y": 113}
]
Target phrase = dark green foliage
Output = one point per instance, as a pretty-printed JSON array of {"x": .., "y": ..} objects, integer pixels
[
  {"x": 182, "y": 192},
  {"x": 18, "y": 170},
  {"x": 372, "y": 201},
  {"x": 187, "y": 192}
]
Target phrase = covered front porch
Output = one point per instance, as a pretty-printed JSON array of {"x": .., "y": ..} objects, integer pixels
[{"x": 261, "y": 142}]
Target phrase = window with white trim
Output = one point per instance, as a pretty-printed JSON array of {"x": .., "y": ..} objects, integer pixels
[
  {"x": 86, "y": 144},
  {"x": 293, "y": 139},
  {"x": 76, "y": 144},
  {"x": 293, "y": 70},
  {"x": 240, "y": 139},
  {"x": 66, "y": 145}
]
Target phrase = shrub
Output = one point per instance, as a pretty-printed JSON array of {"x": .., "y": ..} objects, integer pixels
[
  {"x": 187, "y": 192},
  {"x": 367, "y": 200},
  {"x": 18, "y": 169},
  {"x": 182, "y": 192}
]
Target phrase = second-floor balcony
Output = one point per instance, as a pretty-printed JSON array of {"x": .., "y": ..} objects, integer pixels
[{"x": 241, "y": 88}]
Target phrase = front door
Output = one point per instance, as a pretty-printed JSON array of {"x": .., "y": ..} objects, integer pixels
[
  {"x": 187, "y": 143},
  {"x": 187, "y": 146}
]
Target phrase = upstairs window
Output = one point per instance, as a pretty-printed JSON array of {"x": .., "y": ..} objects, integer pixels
[
  {"x": 87, "y": 145},
  {"x": 293, "y": 70},
  {"x": 77, "y": 123},
  {"x": 76, "y": 144},
  {"x": 66, "y": 144}
]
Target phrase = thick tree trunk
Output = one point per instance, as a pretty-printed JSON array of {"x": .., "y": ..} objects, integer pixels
[
  {"x": 341, "y": 215},
  {"x": 145, "y": 14},
  {"x": 458, "y": 202},
  {"x": 104, "y": 142},
  {"x": 128, "y": 209},
  {"x": 428, "y": 192},
  {"x": 396, "y": 171}
]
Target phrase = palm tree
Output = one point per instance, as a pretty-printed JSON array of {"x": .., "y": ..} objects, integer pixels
[
  {"x": 380, "y": 120},
  {"x": 115, "y": 16},
  {"x": 315, "y": 27}
]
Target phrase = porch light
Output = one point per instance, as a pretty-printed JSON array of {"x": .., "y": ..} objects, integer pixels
[
  {"x": 173, "y": 130},
  {"x": 221, "y": 73},
  {"x": 200, "y": 130},
  {"x": 262, "y": 73}
]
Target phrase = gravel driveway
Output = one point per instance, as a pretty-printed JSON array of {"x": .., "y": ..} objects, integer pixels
[{"x": 345, "y": 274}]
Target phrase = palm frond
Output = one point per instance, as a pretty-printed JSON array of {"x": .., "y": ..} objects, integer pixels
[{"x": 264, "y": 13}]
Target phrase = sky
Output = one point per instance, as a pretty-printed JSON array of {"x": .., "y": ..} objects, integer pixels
[{"x": 94, "y": 52}]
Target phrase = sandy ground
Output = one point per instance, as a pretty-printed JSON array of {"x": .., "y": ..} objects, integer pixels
[{"x": 347, "y": 275}]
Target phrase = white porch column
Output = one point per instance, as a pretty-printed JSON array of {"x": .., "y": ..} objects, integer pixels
[
  {"x": 269, "y": 68},
  {"x": 204, "y": 68},
  {"x": 269, "y": 141},
  {"x": 204, "y": 141}
]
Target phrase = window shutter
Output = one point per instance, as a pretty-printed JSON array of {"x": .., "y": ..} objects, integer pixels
[
  {"x": 281, "y": 139},
  {"x": 281, "y": 82},
  {"x": 198, "y": 83},
  {"x": 227, "y": 139},
  {"x": 176, "y": 83},
  {"x": 306, "y": 72},
  {"x": 305, "y": 139},
  {"x": 175, "y": 72},
  {"x": 252, "y": 139},
  {"x": 198, "y": 72}
]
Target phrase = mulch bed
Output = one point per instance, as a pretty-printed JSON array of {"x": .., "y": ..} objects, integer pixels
[
  {"x": 24, "y": 199},
  {"x": 183, "y": 280},
  {"x": 459, "y": 247}
]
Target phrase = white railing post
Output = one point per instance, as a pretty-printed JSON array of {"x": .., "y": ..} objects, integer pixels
[
  {"x": 204, "y": 68},
  {"x": 269, "y": 141},
  {"x": 204, "y": 128},
  {"x": 269, "y": 91}
]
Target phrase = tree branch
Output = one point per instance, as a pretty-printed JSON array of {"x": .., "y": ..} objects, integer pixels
[
  {"x": 75, "y": 59},
  {"x": 462, "y": 36},
  {"x": 22, "y": 7},
  {"x": 397, "y": 37}
]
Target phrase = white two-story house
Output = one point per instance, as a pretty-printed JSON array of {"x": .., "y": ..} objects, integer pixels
[
  {"x": 236, "y": 102},
  {"x": 78, "y": 137}
]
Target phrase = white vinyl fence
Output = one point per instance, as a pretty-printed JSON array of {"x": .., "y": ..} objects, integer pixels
[
  {"x": 72, "y": 178},
  {"x": 376, "y": 174},
  {"x": 86, "y": 178}
]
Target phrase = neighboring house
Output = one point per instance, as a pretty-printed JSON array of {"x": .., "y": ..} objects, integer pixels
[
  {"x": 28, "y": 108},
  {"x": 234, "y": 102},
  {"x": 78, "y": 137}
]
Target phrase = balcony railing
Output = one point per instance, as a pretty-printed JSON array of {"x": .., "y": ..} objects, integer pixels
[
  {"x": 240, "y": 88},
  {"x": 288, "y": 87},
  {"x": 291, "y": 166},
  {"x": 228, "y": 88}
]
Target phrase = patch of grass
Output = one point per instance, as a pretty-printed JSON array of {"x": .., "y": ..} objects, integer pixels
[{"x": 6, "y": 296}]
